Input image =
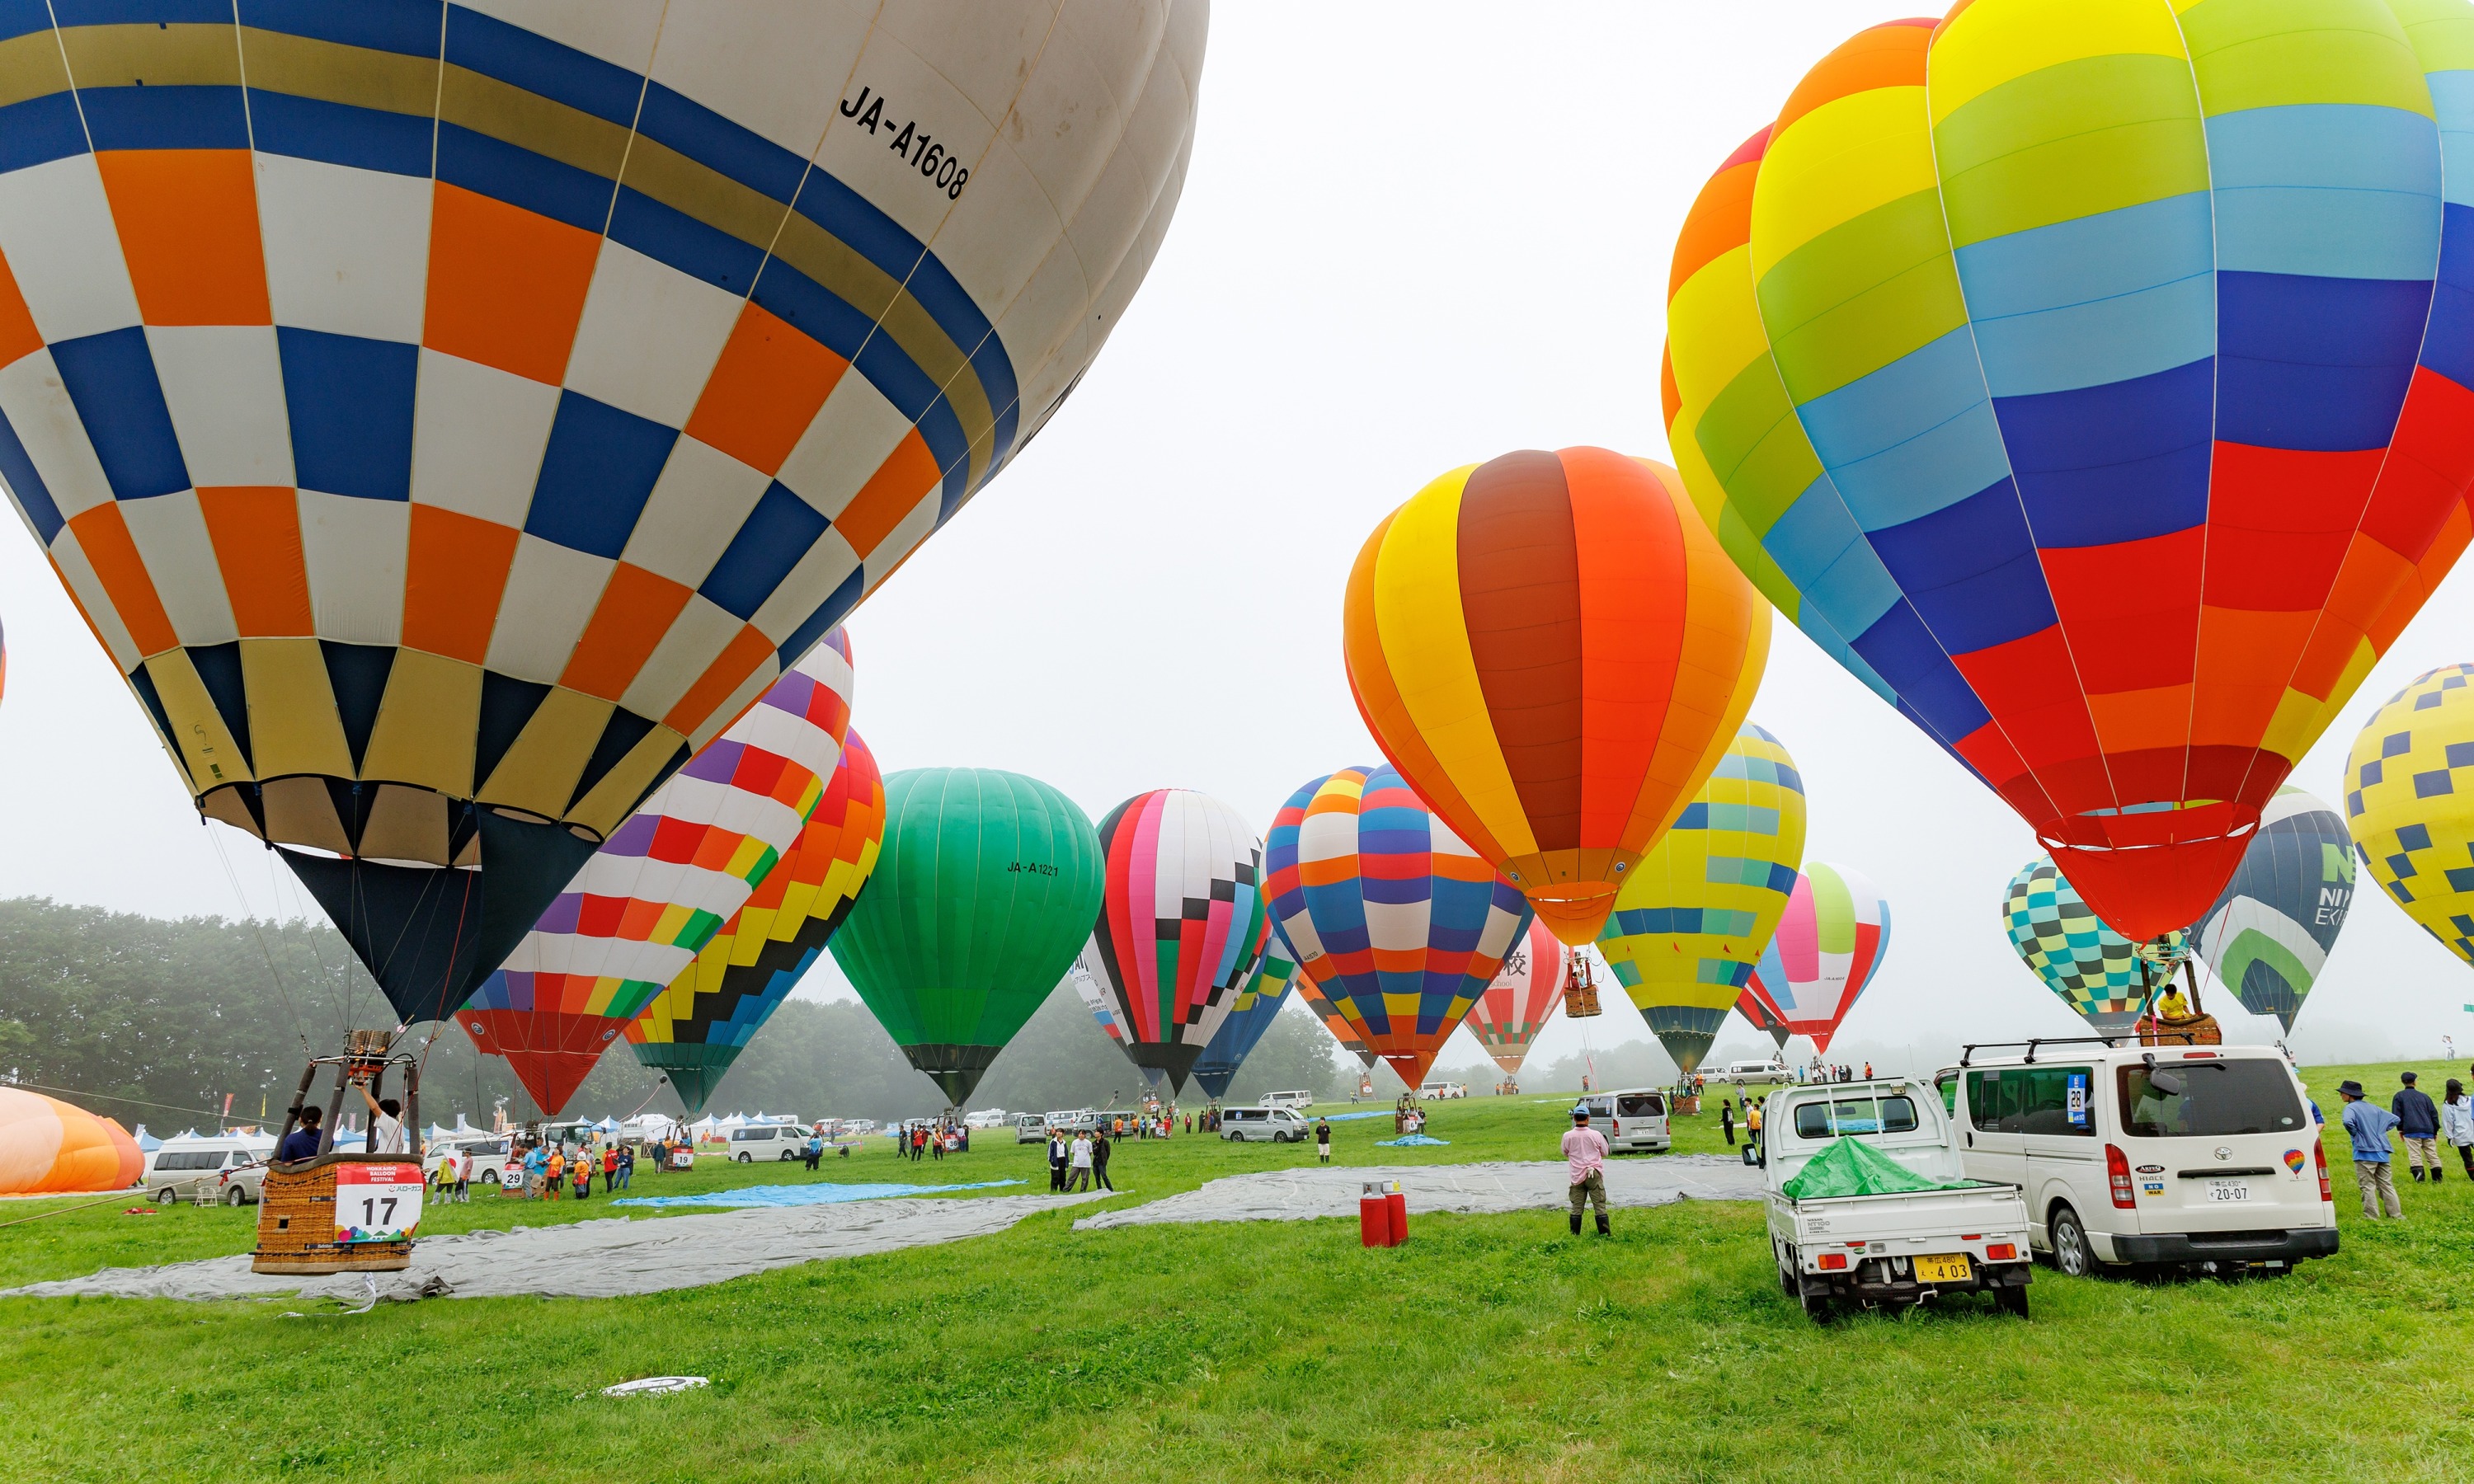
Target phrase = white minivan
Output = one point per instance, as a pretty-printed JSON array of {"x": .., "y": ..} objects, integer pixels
[
  {"x": 768, "y": 1142},
  {"x": 1298, "y": 1099},
  {"x": 224, "y": 1168},
  {"x": 1254, "y": 1125},
  {"x": 1633, "y": 1119},
  {"x": 2201, "y": 1158}
]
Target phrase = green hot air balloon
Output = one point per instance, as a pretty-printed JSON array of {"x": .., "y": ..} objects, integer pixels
[{"x": 986, "y": 887}]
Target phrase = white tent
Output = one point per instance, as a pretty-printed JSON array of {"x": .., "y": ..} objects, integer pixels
[{"x": 146, "y": 1142}]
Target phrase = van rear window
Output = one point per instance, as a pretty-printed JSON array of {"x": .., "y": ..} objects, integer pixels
[
  {"x": 1895, "y": 1115},
  {"x": 2209, "y": 1099},
  {"x": 1641, "y": 1105}
]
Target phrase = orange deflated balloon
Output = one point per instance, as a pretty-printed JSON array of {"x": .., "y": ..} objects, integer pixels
[
  {"x": 48, "y": 1146},
  {"x": 1554, "y": 652}
]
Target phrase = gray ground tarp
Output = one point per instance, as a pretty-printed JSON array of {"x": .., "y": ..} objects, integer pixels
[
  {"x": 1313, "y": 1190},
  {"x": 591, "y": 1259}
]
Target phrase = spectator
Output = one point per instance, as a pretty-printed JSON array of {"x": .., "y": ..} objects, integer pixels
[
  {"x": 1584, "y": 1155},
  {"x": 1056, "y": 1154},
  {"x": 2457, "y": 1124},
  {"x": 626, "y": 1165},
  {"x": 2418, "y": 1125},
  {"x": 609, "y": 1168},
  {"x": 1081, "y": 1163},
  {"x": 1753, "y": 1127},
  {"x": 2369, "y": 1126},
  {"x": 557, "y": 1172},
  {"x": 1727, "y": 1120},
  {"x": 1323, "y": 1141},
  {"x": 581, "y": 1172},
  {"x": 1099, "y": 1160},
  {"x": 464, "y": 1176}
]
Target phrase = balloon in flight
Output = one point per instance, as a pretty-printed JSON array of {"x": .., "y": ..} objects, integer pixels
[
  {"x": 1553, "y": 651},
  {"x": 450, "y": 423},
  {"x": 1829, "y": 943},
  {"x": 985, "y": 891},
  {"x": 1398, "y": 921},
  {"x": 2271, "y": 930},
  {"x": 646, "y": 903},
  {"x": 2410, "y": 804},
  {"x": 2073, "y": 374},
  {"x": 2087, "y": 965},
  {"x": 1249, "y": 1015},
  {"x": 1509, "y": 1016},
  {"x": 1695, "y": 915},
  {"x": 694, "y": 1029}
]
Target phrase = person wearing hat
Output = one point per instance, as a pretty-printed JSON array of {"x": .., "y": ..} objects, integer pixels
[
  {"x": 2418, "y": 1125},
  {"x": 1585, "y": 1153},
  {"x": 2369, "y": 1124},
  {"x": 2457, "y": 1124}
]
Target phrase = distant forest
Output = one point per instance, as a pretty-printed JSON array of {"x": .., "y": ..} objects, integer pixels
[{"x": 156, "y": 1022}]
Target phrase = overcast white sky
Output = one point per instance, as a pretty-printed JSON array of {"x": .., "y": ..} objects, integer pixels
[{"x": 1413, "y": 236}]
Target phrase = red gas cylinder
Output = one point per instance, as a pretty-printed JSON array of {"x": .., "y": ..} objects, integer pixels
[
  {"x": 1374, "y": 1218},
  {"x": 1396, "y": 1203}
]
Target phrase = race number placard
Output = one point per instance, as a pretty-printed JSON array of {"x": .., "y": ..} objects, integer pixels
[{"x": 377, "y": 1203}]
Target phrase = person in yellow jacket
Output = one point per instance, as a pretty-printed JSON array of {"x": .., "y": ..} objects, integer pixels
[{"x": 1752, "y": 1128}]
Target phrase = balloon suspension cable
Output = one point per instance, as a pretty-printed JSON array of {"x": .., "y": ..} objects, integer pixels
[
  {"x": 259, "y": 932},
  {"x": 455, "y": 946},
  {"x": 661, "y": 1079},
  {"x": 113, "y": 1097}
]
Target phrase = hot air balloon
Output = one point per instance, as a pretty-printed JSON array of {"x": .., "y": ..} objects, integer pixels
[
  {"x": 2073, "y": 373},
  {"x": 1251, "y": 1013},
  {"x": 1507, "y": 1017},
  {"x": 450, "y": 423},
  {"x": 1552, "y": 651},
  {"x": 985, "y": 891},
  {"x": 1103, "y": 1011},
  {"x": 48, "y": 1146},
  {"x": 2410, "y": 823},
  {"x": 693, "y": 1030},
  {"x": 1396, "y": 921},
  {"x": 1342, "y": 1030},
  {"x": 656, "y": 892},
  {"x": 1181, "y": 925},
  {"x": 1755, "y": 1006},
  {"x": 1694, "y": 916},
  {"x": 2271, "y": 930},
  {"x": 2091, "y": 967},
  {"x": 1830, "y": 943}
]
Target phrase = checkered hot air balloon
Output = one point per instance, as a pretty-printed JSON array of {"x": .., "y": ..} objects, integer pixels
[
  {"x": 2094, "y": 382},
  {"x": 451, "y": 417},
  {"x": 2087, "y": 965},
  {"x": 2410, "y": 804},
  {"x": 646, "y": 903},
  {"x": 1398, "y": 924}
]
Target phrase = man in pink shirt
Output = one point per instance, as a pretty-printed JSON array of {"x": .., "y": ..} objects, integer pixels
[{"x": 1585, "y": 1150}]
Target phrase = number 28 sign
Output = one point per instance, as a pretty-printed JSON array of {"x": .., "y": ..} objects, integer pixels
[{"x": 376, "y": 1203}]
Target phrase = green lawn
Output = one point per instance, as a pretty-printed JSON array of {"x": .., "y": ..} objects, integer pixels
[{"x": 1487, "y": 1347}]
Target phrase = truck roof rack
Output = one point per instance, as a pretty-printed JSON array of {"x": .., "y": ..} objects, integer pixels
[{"x": 1967, "y": 1052}]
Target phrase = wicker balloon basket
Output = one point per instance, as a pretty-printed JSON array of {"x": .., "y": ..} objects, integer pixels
[{"x": 296, "y": 1223}]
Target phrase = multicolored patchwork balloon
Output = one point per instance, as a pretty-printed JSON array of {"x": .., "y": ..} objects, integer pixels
[
  {"x": 1508, "y": 1017},
  {"x": 449, "y": 417},
  {"x": 2410, "y": 803},
  {"x": 2074, "y": 374},
  {"x": 1251, "y": 1014},
  {"x": 2087, "y": 965},
  {"x": 1830, "y": 943},
  {"x": 1695, "y": 915},
  {"x": 1181, "y": 923},
  {"x": 1392, "y": 918},
  {"x": 694, "y": 1029},
  {"x": 1333, "y": 1020},
  {"x": 664, "y": 883},
  {"x": 1552, "y": 650},
  {"x": 2269, "y": 934}
]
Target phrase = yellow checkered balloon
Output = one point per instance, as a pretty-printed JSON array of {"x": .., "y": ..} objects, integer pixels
[{"x": 2410, "y": 803}]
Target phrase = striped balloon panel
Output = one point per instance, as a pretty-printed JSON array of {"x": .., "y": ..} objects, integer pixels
[
  {"x": 2088, "y": 965},
  {"x": 1181, "y": 921},
  {"x": 2269, "y": 932},
  {"x": 1249, "y": 1015},
  {"x": 1398, "y": 924},
  {"x": 746, "y": 969},
  {"x": 2099, "y": 375},
  {"x": 1549, "y": 645},
  {"x": 1342, "y": 1029},
  {"x": 485, "y": 408},
  {"x": 1693, "y": 920},
  {"x": 1525, "y": 990},
  {"x": 1829, "y": 943},
  {"x": 1755, "y": 1006},
  {"x": 2412, "y": 823}
]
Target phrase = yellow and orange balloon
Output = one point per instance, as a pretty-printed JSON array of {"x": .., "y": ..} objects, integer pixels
[
  {"x": 48, "y": 1146},
  {"x": 1553, "y": 650}
]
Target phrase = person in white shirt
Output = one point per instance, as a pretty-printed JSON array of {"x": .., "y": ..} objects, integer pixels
[
  {"x": 386, "y": 1123},
  {"x": 1081, "y": 1180},
  {"x": 2457, "y": 1124}
]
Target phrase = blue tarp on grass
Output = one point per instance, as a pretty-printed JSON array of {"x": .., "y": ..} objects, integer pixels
[{"x": 825, "y": 1193}]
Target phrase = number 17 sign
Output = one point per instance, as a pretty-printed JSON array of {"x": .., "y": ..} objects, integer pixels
[{"x": 376, "y": 1203}]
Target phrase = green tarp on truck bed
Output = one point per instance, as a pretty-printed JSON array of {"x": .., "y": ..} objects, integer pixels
[{"x": 1851, "y": 1167}]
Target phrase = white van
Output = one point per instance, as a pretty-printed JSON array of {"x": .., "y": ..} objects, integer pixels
[
  {"x": 1633, "y": 1119},
  {"x": 227, "y": 1167},
  {"x": 1752, "y": 1071},
  {"x": 1298, "y": 1099},
  {"x": 2201, "y": 1156},
  {"x": 768, "y": 1140},
  {"x": 1444, "y": 1089},
  {"x": 1254, "y": 1125},
  {"x": 495, "y": 1162}
]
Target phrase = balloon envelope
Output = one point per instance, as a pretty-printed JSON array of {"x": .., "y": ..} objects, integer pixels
[
  {"x": 1695, "y": 915},
  {"x": 1509, "y": 1016},
  {"x": 1251, "y": 1013},
  {"x": 656, "y": 892},
  {"x": 49, "y": 1146},
  {"x": 985, "y": 889},
  {"x": 2034, "y": 363},
  {"x": 2087, "y": 965},
  {"x": 1829, "y": 943},
  {"x": 2272, "y": 929},
  {"x": 1342, "y": 1030},
  {"x": 1755, "y": 1006},
  {"x": 1398, "y": 921},
  {"x": 1180, "y": 922},
  {"x": 2412, "y": 824},
  {"x": 1552, "y": 650},
  {"x": 694, "y": 1029},
  {"x": 450, "y": 423}
]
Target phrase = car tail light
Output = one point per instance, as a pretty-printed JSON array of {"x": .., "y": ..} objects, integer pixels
[
  {"x": 2117, "y": 1171},
  {"x": 2319, "y": 1156},
  {"x": 1832, "y": 1261},
  {"x": 2002, "y": 1252}
]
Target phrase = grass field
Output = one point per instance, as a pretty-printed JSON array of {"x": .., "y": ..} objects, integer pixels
[{"x": 1486, "y": 1348}]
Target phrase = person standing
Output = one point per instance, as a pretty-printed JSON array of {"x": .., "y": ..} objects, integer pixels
[
  {"x": 1585, "y": 1156},
  {"x": 1753, "y": 1127},
  {"x": 1323, "y": 1141},
  {"x": 2418, "y": 1125},
  {"x": 2369, "y": 1124},
  {"x": 1727, "y": 1120},
  {"x": 609, "y": 1168},
  {"x": 815, "y": 1148},
  {"x": 626, "y": 1166},
  {"x": 1100, "y": 1160},
  {"x": 583, "y": 1173},
  {"x": 1056, "y": 1152},
  {"x": 464, "y": 1176},
  {"x": 2457, "y": 1124},
  {"x": 1081, "y": 1161}
]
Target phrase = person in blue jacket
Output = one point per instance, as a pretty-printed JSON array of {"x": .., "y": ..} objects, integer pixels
[{"x": 2368, "y": 1125}]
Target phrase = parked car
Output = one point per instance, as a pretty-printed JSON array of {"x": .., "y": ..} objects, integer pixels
[
  {"x": 1772, "y": 1070},
  {"x": 1444, "y": 1089},
  {"x": 495, "y": 1162},
  {"x": 1633, "y": 1119},
  {"x": 986, "y": 1118},
  {"x": 1892, "y": 1248},
  {"x": 228, "y": 1167},
  {"x": 760, "y": 1141},
  {"x": 2202, "y": 1158},
  {"x": 1074, "y": 1120},
  {"x": 1298, "y": 1099},
  {"x": 1256, "y": 1125},
  {"x": 1031, "y": 1129}
]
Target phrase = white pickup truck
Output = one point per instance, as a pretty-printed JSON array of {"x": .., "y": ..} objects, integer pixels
[{"x": 1887, "y": 1249}]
